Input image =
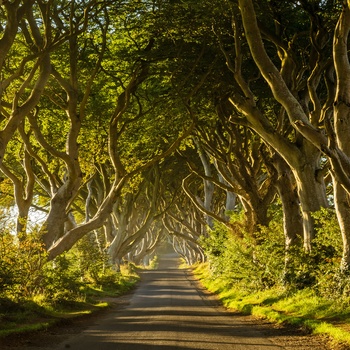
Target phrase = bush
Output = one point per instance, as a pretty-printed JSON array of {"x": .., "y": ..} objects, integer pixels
[
  {"x": 320, "y": 268},
  {"x": 60, "y": 281},
  {"x": 7, "y": 272},
  {"x": 21, "y": 264},
  {"x": 92, "y": 261},
  {"x": 254, "y": 263},
  {"x": 25, "y": 273},
  {"x": 260, "y": 262}
]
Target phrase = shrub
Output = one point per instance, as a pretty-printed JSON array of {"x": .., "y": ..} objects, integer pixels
[
  {"x": 25, "y": 273},
  {"x": 260, "y": 262},
  {"x": 21, "y": 264},
  {"x": 254, "y": 263},
  {"x": 91, "y": 260},
  {"x": 318, "y": 269},
  {"x": 7, "y": 272},
  {"x": 60, "y": 281}
]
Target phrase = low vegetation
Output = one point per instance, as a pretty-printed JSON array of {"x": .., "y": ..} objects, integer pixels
[
  {"x": 35, "y": 293},
  {"x": 254, "y": 276}
]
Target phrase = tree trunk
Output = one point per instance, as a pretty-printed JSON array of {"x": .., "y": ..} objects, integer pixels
[
  {"x": 208, "y": 185},
  {"x": 292, "y": 219},
  {"x": 312, "y": 196},
  {"x": 342, "y": 128},
  {"x": 113, "y": 249},
  {"x": 342, "y": 202},
  {"x": 54, "y": 227},
  {"x": 255, "y": 215},
  {"x": 304, "y": 161}
]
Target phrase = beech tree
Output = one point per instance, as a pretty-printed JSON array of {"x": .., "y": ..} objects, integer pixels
[
  {"x": 25, "y": 69},
  {"x": 301, "y": 155},
  {"x": 307, "y": 118},
  {"x": 28, "y": 50},
  {"x": 51, "y": 134},
  {"x": 96, "y": 96},
  {"x": 238, "y": 158},
  {"x": 339, "y": 142}
]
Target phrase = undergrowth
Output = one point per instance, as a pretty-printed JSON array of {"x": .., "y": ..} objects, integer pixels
[
  {"x": 36, "y": 293},
  {"x": 255, "y": 276}
]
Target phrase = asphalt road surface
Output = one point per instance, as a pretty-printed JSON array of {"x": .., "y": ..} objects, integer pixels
[{"x": 168, "y": 311}]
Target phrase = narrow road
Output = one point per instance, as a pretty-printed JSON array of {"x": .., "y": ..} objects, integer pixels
[{"x": 168, "y": 312}]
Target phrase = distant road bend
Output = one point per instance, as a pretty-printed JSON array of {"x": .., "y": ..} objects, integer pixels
[{"x": 168, "y": 312}]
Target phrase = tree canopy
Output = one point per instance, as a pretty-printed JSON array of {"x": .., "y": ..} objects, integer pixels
[{"x": 145, "y": 121}]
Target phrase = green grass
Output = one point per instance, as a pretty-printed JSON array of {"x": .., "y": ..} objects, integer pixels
[
  {"x": 301, "y": 308},
  {"x": 30, "y": 317},
  {"x": 17, "y": 317},
  {"x": 25, "y": 328}
]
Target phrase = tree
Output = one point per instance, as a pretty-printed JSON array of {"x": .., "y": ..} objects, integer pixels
[
  {"x": 239, "y": 162},
  {"x": 342, "y": 128},
  {"x": 87, "y": 36},
  {"x": 332, "y": 143},
  {"x": 23, "y": 80},
  {"x": 301, "y": 155},
  {"x": 99, "y": 95},
  {"x": 22, "y": 177}
]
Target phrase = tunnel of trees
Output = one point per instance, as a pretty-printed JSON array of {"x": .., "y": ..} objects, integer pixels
[{"x": 216, "y": 126}]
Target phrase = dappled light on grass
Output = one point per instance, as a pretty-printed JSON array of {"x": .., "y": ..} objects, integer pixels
[{"x": 303, "y": 308}]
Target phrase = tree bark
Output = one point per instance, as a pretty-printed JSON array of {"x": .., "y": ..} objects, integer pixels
[
  {"x": 208, "y": 185},
  {"x": 292, "y": 219},
  {"x": 303, "y": 158},
  {"x": 342, "y": 127},
  {"x": 342, "y": 203}
]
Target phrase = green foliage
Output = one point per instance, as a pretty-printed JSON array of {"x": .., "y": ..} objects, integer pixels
[
  {"x": 303, "y": 308},
  {"x": 21, "y": 264},
  {"x": 320, "y": 268},
  {"x": 35, "y": 293},
  {"x": 60, "y": 281},
  {"x": 25, "y": 273},
  {"x": 260, "y": 262},
  {"x": 254, "y": 263},
  {"x": 250, "y": 276},
  {"x": 154, "y": 263},
  {"x": 7, "y": 273}
]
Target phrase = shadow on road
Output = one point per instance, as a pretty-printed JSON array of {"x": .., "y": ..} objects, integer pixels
[{"x": 167, "y": 311}]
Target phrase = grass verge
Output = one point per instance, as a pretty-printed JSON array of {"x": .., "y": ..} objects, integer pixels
[
  {"x": 26, "y": 316},
  {"x": 301, "y": 308}
]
